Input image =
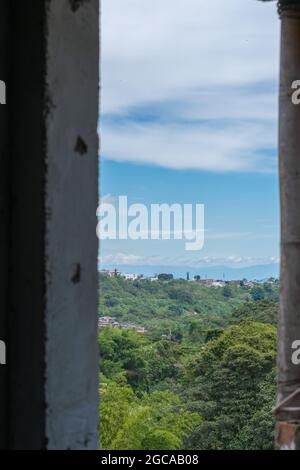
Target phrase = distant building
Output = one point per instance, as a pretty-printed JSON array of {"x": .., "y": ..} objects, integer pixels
[
  {"x": 125, "y": 326},
  {"x": 111, "y": 322},
  {"x": 109, "y": 273},
  {"x": 131, "y": 276},
  {"x": 106, "y": 319},
  {"x": 248, "y": 283},
  {"x": 104, "y": 272},
  {"x": 218, "y": 283},
  {"x": 140, "y": 329},
  {"x": 205, "y": 282}
]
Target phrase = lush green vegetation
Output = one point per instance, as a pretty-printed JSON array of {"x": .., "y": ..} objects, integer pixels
[{"x": 201, "y": 377}]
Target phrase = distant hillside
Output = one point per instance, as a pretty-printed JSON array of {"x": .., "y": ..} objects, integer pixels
[
  {"x": 163, "y": 305},
  {"x": 258, "y": 272}
]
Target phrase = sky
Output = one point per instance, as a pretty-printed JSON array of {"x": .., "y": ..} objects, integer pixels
[{"x": 189, "y": 116}]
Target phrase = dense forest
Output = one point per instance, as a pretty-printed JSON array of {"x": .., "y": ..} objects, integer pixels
[{"x": 202, "y": 376}]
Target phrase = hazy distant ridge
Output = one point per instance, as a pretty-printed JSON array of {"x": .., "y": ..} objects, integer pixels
[{"x": 216, "y": 272}]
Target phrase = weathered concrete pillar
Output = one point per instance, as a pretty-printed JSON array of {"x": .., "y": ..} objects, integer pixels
[
  {"x": 288, "y": 403},
  {"x": 48, "y": 296}
]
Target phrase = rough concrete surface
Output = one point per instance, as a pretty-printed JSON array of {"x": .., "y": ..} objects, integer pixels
[{"x": 71, "y": 203}]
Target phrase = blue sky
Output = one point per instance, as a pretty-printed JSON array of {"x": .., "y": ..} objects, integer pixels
[{"x": 189, "y": 115}]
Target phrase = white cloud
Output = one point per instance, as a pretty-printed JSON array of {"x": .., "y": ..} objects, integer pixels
[
  {"x": 234, "y": 261},
  {"x": 121, "y": 258},
  {"x": 206, "y": 148},
  {"x": 185, "y": 260},
  {"x": 152, "y": 50},
  {"x": 202, "y": 56}
]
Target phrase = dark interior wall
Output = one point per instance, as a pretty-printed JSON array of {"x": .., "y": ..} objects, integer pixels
[
  {"x": 49, "y": 57},
  {"x": 22, "y": 221},
  {"x": 4, "y": 213},
  {"x": 27, "y": 256},
  {"x": 22, "y": 141}
]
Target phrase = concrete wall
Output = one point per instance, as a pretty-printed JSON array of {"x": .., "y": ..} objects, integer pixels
[
  {"x": 71, "y": 201},
  {"x": 48, "y": 296},
  {"x": 288, "y": 392}
]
